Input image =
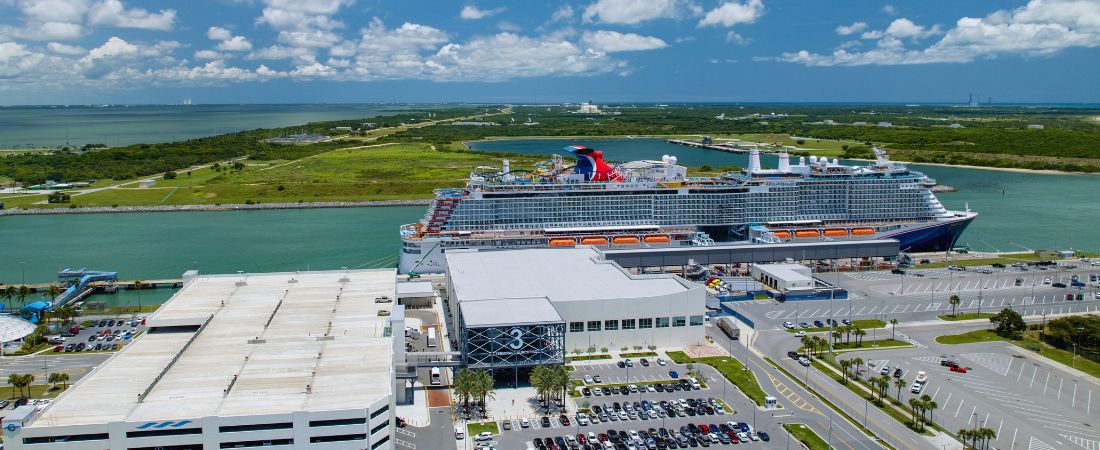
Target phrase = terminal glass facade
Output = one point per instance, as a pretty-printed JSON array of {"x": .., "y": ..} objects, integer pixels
[{"x": 512, "y": 346}]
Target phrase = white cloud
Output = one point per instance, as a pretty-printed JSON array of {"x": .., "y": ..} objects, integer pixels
[
  {"x": 276, "y": 52},
  {"x": 505, "y": 25},
  {"x": 472, "y": 12},
  {"x": 735, "y": 38},
  {"x": 208, "y": 54},
  {"x": 113, "y": 13},
  {"x": 1042, "y": 27},
  {"x": 218, "y": 34},
  {"x": 65, "y": 49},
  {"x": 890, "y": 9},
  {"x": 855, "y": 27},
  {"x": 562, "y": 13},
  {"x": 903, "y": 28},
  {"x": 733, "y": 13},
  {"x": 511, "y": 56},
  {"x": 614, "y": 41},
  {"x": 16, "y": 60},
  {"x": 326, "y": 7},
  {"x": 630, "y": 12}
]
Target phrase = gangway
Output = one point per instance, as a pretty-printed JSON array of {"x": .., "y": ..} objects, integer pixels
[{"x": 84, "y": 278}]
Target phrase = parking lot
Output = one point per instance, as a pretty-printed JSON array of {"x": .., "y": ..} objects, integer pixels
[
  {"x": 884, "y": 295},
  {"x": 1026, "y": 401},
  {"x": 713, "y": 391},
  {"x": 102, "y": 335}
]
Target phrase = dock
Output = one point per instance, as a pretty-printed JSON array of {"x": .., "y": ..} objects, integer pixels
[
  {"x": 727, "y": 147},
  {"x": 127, "y": 285}
]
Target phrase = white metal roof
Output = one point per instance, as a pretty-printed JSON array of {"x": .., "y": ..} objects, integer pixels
[
  {"x": 415, "y": 289},
  {"x": 348, "y": 368},
  {"x": 558, "y": 274},
  {"x": 509, "y": 311},
  {"x": 12, "y": 328}
]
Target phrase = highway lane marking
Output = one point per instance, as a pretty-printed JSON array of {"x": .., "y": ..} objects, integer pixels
[
  {"x": 1045, "y": 383},
  {"x": 959, "y": 409},
  {"x": 1060, "y": 381},
  {"x": 1073, "y": 401},
  {"x": 972, "y": 415}
]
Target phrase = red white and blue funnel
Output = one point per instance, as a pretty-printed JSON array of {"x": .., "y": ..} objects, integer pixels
[{"x": 590, "y": 163}]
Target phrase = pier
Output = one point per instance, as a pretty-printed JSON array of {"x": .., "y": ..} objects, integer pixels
[
  {"x": 174, "y": 283},
  {"x": 726, "y": 147}
]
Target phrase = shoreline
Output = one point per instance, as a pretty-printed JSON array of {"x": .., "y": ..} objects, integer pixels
[
  {"x": 961, "y": 166},
  {"x": 200, "y": 208}
]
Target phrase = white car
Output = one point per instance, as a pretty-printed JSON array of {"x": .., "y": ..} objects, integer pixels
[
  {"x": 588, "y": 379},
  {"x": 1046, "y": 280},
  {"x": 633, "y": 435},
  {"x": 788, "y": 325},
  {"x": 800, "y": 333},
  {"x": 524, "y": 423},
  {"x": 484, "y": 436},
  {"x": 661, "y": 362},
  {"x": 803, "y": 360}
]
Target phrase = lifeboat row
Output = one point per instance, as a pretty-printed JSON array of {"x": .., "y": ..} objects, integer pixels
[
  {"x": 619, "y": 240},
  {"x": 828, "y": 232}
]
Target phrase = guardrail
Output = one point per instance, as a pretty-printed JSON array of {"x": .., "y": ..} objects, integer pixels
[{"x": 141, "y": 396}]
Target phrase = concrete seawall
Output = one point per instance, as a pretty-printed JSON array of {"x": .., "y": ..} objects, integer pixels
[{"x": 225, "y": 207}]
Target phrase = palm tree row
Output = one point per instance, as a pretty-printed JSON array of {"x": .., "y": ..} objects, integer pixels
[
  {"x": 58, "y": 377},
  {"x": 550, "y": 382},
  {"x": 925, "y": 405},
  {"x": 850, "y": 368},
  {"x": 20, "y": 381},
  {"x": 977, "y": 438},
  {"x": 813, "y": 345},
  {"x": 472, "y": 384},
  {"x": 12, "y": 292}
]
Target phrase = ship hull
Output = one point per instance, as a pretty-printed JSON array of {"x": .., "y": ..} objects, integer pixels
[{"x": 931, "y": 238}]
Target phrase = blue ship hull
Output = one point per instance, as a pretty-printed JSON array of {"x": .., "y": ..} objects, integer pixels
[{"x": 932, "y": 238}]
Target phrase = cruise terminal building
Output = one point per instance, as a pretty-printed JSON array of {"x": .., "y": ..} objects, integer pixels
[
  {"x": 522, "y": 308},
  {"x": 278, "y": 360}
]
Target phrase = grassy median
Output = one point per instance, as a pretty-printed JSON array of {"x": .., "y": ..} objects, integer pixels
[
  {"x": 806, "y": 436},
  {"x": 732, "y": 369}
]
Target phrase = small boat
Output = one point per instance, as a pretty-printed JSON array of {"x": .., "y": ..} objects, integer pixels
[
  {"x": 625, "y": 240},
  {"x": 594, "y": 241},
  {"x": 806, "y": 233},
  {"x": 834, "y": 232},
  {"x": 657, "y": 239},
  {"x": 563, "y": 242},
  {"x": 863, "y": 231},
  {"x": 782, "y": 234}
]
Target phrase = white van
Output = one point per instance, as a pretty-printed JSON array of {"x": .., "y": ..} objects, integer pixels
[
  {"x": 694, "y": 383},
  {"x": 459, "y": 433}
]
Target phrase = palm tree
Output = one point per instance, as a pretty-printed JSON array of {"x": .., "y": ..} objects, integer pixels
[
  {"x": 914, "y": 406},
  {"x": 858, "y": 362},
  {"x": 954, "y": 301},
  {"x": 929, "y": 405},
  {"x": 540, "y": 380},
  {"x": 860, "y": 333},
  {"x": 847, "y": 333},
  {"x": 462, "y": 386},
  {"x": 844, "y": 364},
  {"x": 52, "y": 291},
  {"x": 822, "y": 344},
  {"x": 836, "y": 337},
  {"x": 987, "y": 434},
  {"x": 899, "y": 383},
  {"x": 807, "y": 344},
  {"x": 893, "y": 327},
  {"x": 964, "y": 435},
  {"x": 8, "y": 292},
  {"x": 23, "y": 293},
  {"x": 482, "y": 387}
]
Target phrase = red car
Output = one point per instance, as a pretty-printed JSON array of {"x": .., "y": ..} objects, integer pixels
[
  {"x": 582, "y": 438},
  {"x": 703, "y": 428},
  {"x": 733, "y": 437},
  {"x": 959, "y": 369},
  {"x": 58, "y": 349}
]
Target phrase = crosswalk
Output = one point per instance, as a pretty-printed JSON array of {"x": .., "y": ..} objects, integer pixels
[
  {"x": 1087, "y": 444},
  {"x": 997, "y": 363},
  {"x": 1036, "y": 444}
]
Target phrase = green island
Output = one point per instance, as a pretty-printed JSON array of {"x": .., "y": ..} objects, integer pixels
[
  {"x": 408, "y": 154},
  {"x": 732, "y": 369},
  {"x": 806, "y": 436}
]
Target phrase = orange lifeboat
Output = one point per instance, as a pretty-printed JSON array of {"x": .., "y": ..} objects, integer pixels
[
  {"x": 836, "y": 232},
  {"x": 657, "y": 239},
  {"x": 863, "y": 231},
  {"x": 562, "y": 242},
  {"x": 807, "y": 233},
  {"x": 782, "y": 234},
  {"x": 594, "y": 241},
  {"x": 625, "y": 240}
]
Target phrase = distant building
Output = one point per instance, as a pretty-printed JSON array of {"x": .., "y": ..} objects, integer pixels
[
  {"x": 342, "y": 128},
  {"x": 147, "y": 183},
  {"x": 303, "y": 138},
  {"x": 1035, "y": 126},
  {"x": 884, "y": 124},
  {"x": 476, "y": 124},
  {"x": 955, "y": 125},
  {"x": 588, "y": 108},
  {"x": 829, "y": 122},
  {"x": 859, "y": 124}
]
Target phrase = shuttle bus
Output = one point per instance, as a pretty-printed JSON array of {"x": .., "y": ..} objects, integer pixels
[
  {"x": 435, "y": 377},
  {"x": 431, "y": 337},
  {"x": 727, "y": 325}
]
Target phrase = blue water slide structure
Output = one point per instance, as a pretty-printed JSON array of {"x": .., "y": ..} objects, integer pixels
[{"x": 84, "y": 279}]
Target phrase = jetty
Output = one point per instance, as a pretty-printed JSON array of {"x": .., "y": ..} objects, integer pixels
[{"x": 729, "y": 147}]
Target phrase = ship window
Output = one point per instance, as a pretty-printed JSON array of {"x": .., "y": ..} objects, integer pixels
[{"x": 576, "y": 327}]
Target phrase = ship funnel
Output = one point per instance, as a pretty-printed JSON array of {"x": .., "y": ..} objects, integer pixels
[
  {"x": 506, "y": 166},
  {"x": 754, "y": 160},
  {"x": 664, "y": 158},
  {"x": 813, "y": 160},
  {"x": 672, "y": 160},
  {"x": 784, "y": 162},
  {"x": 836, "y": 162},
  {"x": 802, "y": 160}
]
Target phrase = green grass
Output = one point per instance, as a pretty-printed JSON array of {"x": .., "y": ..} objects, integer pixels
[
  {"x": 900, "y": 416},
  {"x": 971, "y": 337},
  {"x": 966, "y": 316},
  {"x": 1008, "y": 258},
  {"x": 35, "y": 391},
  {"x": 730, "y": 368},
  {"x": 1027, "y": 342},
  {"x": 865, "y": 324},
  {"x": 586, "y": 358},
  {"x": 869, "y": 344},
  {"x": 638, "y": 354},
  {"x": 806, "y": 436},
  {"x": 473, "y": 429}
]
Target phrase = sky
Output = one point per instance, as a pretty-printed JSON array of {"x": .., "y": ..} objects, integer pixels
[{"x": 348, "y": 51}]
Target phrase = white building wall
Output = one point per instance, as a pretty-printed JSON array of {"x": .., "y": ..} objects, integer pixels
[{"x": 686, "y": 304}]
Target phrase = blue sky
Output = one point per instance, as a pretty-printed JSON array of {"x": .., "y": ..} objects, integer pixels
[{"x": 287, "y": 51}]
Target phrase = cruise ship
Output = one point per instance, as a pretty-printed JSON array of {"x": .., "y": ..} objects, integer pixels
[{"x": 655, "y": 203}]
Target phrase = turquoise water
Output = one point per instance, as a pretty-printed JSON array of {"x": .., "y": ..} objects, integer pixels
[
  {"x": 164, "y": 245},
  {"x": 40, "y": 126},
  {"x": 1017, "y": 210}
]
